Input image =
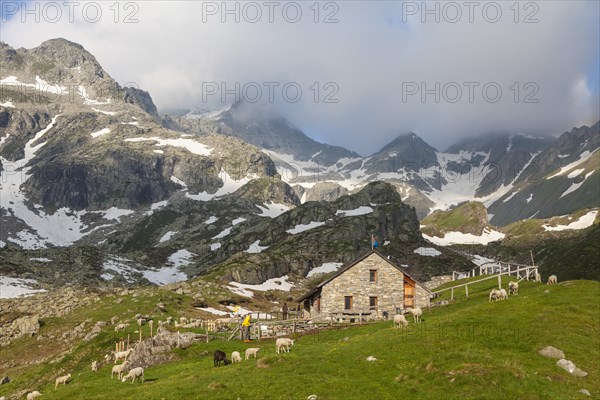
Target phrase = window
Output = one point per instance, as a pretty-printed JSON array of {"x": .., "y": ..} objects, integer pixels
[
  {"x": 373, "y": 303},
  {"x": 347, "y": 302},
  {"x": 372, "y": 275}
]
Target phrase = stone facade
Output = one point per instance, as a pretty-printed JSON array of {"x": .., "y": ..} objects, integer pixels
[{"x": 355, "y": 281}]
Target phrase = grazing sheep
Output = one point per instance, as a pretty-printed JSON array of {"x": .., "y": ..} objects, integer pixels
[
  {"x": 416, "y": 313},
  {"x": 94, "y": 366},
  {"x": 133, "y": 374},
  {"x": 503, "y": 294},
  {"x": 220, "y": 356},
  {"x": 170, "y": 320},
  {"x": 538, "y": 277},
  {"x": 107, "y": 357},
  {"x": 121, "y": 327},
  {"x": 122, "y": 354},
  {"x": 61, "y": 379},
  {"x": 283, "y": 344},
  {"x": 251, "y": 352},
  {"x": 495, "y": 295},
  {"x": 183, "y": 320},
  {"x": 400, "y": 320},
  {"x": 141, "y": 321},
  {"x": 236, "y": 357},
  {"x": 552, "y": 280},
  {"x": 33, "y": 395},
  {"x": 513, "y": 288},
  {"x": 118, "y": 369}
]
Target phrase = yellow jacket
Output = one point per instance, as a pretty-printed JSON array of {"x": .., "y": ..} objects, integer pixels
[{"x": 247, "y": 320}]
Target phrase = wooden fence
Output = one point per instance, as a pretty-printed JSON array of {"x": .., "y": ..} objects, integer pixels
[{"x": 528, "y": 272}]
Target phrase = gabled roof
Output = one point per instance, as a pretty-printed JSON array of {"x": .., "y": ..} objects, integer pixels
[{"x": 352, "y": 264}]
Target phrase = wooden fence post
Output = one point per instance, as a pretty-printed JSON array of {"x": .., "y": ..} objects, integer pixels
[
  {"x": 499, "y": 281},
  {"x": 452, "y": 294},
  {"x": 467, "y": 290}
]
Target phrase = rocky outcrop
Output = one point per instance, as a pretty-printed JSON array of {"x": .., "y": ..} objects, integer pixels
[{"x": 28, "y": 326}]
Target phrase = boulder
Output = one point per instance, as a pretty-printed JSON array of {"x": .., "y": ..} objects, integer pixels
[
  {"x": 552, "y": 352},
  {"x": 570, "y": 367},
  {"x": 28, "y": 326}
]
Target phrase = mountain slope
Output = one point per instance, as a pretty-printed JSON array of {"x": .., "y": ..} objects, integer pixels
[{"x": 562, "y": 179}]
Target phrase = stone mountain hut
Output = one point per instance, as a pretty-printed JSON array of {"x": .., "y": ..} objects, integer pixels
[{"x": 368, "y": 286}]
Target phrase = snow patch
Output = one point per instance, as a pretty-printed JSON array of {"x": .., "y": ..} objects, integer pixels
[
  {"x": 427, "y": 251},
  {"x": 100, "y": 132},
  {"x": 181, "y": 258},
  {"x": 324, "y": 268},
  {"x": 167, "y": 236},
  {"x": 165, "y": 275},
  {"x": 304, "y": 227},
  {"x": 215, "y": 246},
  {"x": 213, "y": 311},
  {"x": 255, "y": 248},
  {"x": 585, "y": 221},
  {"x": 272, "y": 210},
  {"x": 451, "y": 238},
  {"x": 363, "y": 210},
  {"x": 270, "y": 284},
  {"x": 575, "y": 173},
  {"x": 190, "y": 145},
  {"x": 7, "y": 104},
  {"x": 583, "y": 157},
  {"x": 17, "y": 287},
  {"x": 41, "y": 259},
  {"x": 211, "y": 220},
  {"x": 527, "y": 200},
  {"x": 575, "y": 186}
]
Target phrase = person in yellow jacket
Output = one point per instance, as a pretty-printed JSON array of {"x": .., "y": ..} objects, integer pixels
[{"x": 246, "y": 328}]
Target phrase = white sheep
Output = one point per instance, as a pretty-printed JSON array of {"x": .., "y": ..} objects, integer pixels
[
  {"x": 236, "y": 357},
  {"x": 252, "y": 352},
  {"x": 503, "y": 294},
  {"x": 94, "y": 366},
  {"x": 170, "y": 320},
  {"x": 513, "y": 288},
  {"x": 183, "y": 320},
  {"x": 33, "y": 395},
  {"x": 133, "y": 374},
  {"x": 552, "y": 280},
  {"x": 118, "y": 369},
  {"x": 121, "y": 327},
  {"x": 122, "y": 354},
  {"x": 400, "y": 320},
  {"x": 141, "y": 321},
  {"x": 495, "y": 295},
  {"x": 538, "y": 277},
  {"x": 416, "y": 312},
  {"x": 61, "y": 379},
  {"x": 283, "y": 344}
]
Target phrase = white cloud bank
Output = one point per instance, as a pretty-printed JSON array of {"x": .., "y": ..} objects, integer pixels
[{"x": 176, "y": 47}]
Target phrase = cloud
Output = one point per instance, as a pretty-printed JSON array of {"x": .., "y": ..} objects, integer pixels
[{"x": 370, "y": 62}]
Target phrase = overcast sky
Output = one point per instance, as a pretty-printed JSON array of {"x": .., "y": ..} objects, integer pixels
[{"x": 373, "y": 58}]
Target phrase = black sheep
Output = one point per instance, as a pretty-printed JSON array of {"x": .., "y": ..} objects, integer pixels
[{"x": 220, "y": 356}]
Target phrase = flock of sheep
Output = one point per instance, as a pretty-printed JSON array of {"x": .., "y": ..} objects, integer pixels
[
  {"x": 513, "y": 288},
  {"x": 282, "y": 345},
  {"x": 400, "y": 319}
]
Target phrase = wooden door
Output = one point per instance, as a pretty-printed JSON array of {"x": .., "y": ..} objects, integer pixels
[{"x": 409, "y": 292}]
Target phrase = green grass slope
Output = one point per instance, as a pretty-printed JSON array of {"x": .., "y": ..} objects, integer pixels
[{"x": 469, "y": 349}]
